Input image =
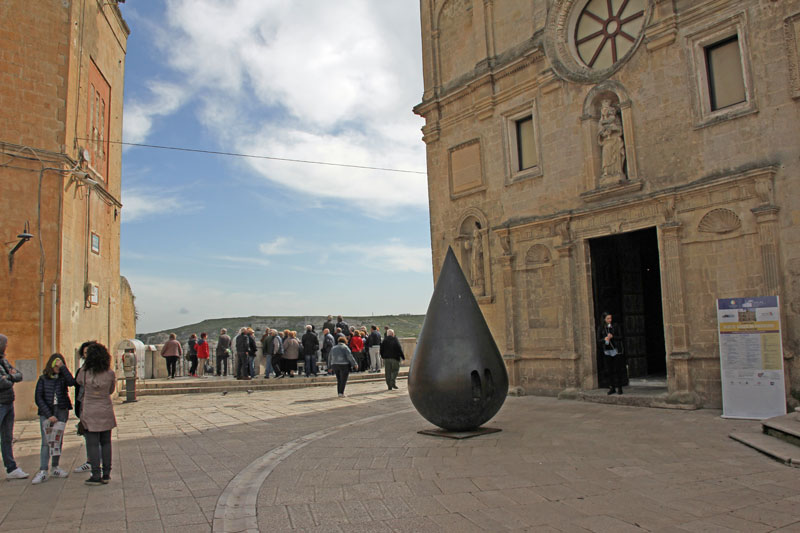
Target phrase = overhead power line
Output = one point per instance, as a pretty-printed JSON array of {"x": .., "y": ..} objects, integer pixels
[{"x": 271, "y": 158}]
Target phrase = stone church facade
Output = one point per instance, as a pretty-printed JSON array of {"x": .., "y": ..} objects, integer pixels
[
  {"x": 62, "y": 67},
  {"x": 632, "y": 156}
]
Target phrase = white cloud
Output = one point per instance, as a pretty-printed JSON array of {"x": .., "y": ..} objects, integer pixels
[
  {"x": 166, "y": 98},
  {"x": 280, "y": 246},
  {"x": 138, "y": 204},
  {"x": 393, "y": 256},
  {"x": 310, "y": 80},
  {"x": 243, "y": 260}
]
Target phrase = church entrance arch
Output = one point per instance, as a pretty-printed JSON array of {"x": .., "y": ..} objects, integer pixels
[{"x": 626, "y": 281}]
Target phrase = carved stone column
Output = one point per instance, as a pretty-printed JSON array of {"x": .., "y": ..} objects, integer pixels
[{"x": 676, "y": 328}]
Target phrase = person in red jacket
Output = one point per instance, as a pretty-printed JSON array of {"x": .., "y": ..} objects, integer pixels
[
  {"x": 203, "y": 353},
  {"x": 356, "y": 346}
]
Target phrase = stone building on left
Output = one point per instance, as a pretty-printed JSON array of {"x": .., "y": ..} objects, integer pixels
[{"x": 62, "y": 66}]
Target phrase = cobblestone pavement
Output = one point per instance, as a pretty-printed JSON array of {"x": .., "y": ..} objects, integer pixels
[{"x": 305, "y": 460}]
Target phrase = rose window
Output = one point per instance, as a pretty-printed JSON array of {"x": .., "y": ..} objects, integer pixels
[{"x": 607, "y": 29}]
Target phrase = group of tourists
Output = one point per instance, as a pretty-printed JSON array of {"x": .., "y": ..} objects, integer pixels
[
  {"x": 339, "y": 345},
  {"x": 94, "y": 383}
]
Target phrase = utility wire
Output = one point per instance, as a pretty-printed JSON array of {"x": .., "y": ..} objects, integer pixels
[{"x": 252, "y": 156}]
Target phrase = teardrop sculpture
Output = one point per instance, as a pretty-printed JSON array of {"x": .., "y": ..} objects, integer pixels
[{"x": 457, "y": 379}]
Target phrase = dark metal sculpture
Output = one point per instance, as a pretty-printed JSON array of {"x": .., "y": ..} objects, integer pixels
[{"x": 457, "y": 380}]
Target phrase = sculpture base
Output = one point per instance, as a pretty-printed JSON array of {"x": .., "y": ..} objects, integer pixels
[{"x": 439, "y": 432}]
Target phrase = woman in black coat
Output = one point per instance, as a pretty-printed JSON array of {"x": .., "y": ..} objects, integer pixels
[
  {"x": 54, "y": 406},
  {"x": 609, "y": 342}
]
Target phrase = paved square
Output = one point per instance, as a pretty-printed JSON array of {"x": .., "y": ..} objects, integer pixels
[{"x": 305, "y": 460}]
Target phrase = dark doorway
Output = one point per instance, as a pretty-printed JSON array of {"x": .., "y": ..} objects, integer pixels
[{"x": 627, "y": 283}]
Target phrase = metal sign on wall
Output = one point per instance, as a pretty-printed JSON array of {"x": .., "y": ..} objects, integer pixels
[{"x": 751, "y": 357}]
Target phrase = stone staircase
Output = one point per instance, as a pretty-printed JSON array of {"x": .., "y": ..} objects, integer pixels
[
  {"x": 189, "y": 385},
  {"x": 779, "y": 438}
]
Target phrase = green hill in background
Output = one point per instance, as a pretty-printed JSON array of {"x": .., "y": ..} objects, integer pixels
[{"x": 403, "y": 326}]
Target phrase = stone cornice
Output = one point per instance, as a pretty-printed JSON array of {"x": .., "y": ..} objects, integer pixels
[{"x": 706, "y": 182}]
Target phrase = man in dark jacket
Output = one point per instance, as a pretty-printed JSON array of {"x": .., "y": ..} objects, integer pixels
[
  {"x": 329, "y": 324},
  {"x": 223, "y": 352},
  {"x": 252, "y": 352},
  {"x": 8, "y": 376},
  {"x": 392, "y": 354},
  {"x": 310, "y": 344},
  {"x": 374, "y": 349},
  {"x": 242, "y": 347}
]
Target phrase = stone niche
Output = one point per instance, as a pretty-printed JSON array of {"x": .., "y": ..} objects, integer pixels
[
  {"x": 607, "y": 129},
  {"x": 472, "y": 250}
]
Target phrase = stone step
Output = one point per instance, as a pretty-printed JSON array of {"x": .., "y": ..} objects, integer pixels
[
  {"x": 222, "y": 384},
  {"x": 785, "y": 427},
  {"x": 635, "y": 396},
  {"x": 775, "y": 448}
]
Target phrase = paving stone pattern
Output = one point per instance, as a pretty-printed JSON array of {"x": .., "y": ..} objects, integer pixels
[{"x": 308, "y": 461}]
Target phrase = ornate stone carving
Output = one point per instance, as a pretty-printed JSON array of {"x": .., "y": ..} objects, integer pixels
[
  {"x": 475, "y": 248},
  {"x": 719, "y": 221},
  {"x": 764, "y": 189},
  {"x": 538, "y": 254}
]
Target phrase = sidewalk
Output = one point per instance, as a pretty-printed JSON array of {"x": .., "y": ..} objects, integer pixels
[{"x": 305, "y": 460}]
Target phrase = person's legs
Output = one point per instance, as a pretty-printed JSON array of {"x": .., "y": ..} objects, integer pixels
[
  {"x": 44, "y": 453},
  {"x": 276, "y": 365},
  {"x": 105, "y": 452},
  {"x": 337, "y": 369},
  {"x": 307, "y": 360},
  {"x": 7, "y": 435},
  {"x": 193, "y": 368},
  {"x": 224, "y": 365},
  {"x": 251, "y": 365},
  {"x": 392, "y": 367},
  {"x": 373, "y": 357},
  {"x": 93, "y": 451}
]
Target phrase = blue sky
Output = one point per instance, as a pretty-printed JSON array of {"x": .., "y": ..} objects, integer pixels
[{"x": 206, "y": 236}]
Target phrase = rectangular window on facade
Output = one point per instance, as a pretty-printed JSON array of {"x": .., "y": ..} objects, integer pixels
[
  {"x": 95, "y": 243},
  {"x": 98, "y": 120},
  {"x": 526, "y": 144},
  {"x": 725, "y": 77}
]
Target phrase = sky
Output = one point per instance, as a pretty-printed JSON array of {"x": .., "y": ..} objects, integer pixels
[{"x": 210, "y": 236}]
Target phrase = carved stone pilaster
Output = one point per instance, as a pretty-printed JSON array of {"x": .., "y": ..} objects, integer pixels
[
  {"x": 676, "y": 327},
  {"x": 767, "y": 220},
  {"x": 672, "y": 281},
  {"x": 567, "y": 287},
  {"x": 507, "y": 269}
]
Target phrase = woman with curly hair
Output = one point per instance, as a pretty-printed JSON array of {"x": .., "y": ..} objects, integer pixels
[{"x": 97, "y": 416}]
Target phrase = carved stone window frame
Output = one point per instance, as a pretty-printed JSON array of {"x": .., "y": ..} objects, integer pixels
[
  {"x": 697, "y": 42},
  {"x": 791, "y": 33},
  {"x": 510, "y": 119}
]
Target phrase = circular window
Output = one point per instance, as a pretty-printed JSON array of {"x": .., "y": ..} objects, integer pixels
[
  {"x": 606, "y": 30},
  {"x": 588, "y": 40}
]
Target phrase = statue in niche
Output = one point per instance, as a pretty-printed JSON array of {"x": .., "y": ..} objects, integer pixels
[
  {"x": 474, "y": 246},
  {"x": 611, "y": 143}
]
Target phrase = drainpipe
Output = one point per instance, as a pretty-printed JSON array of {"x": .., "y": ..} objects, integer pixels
[
  {"x": 54, "y": 297},
  {"x": 41, "y": 320}
]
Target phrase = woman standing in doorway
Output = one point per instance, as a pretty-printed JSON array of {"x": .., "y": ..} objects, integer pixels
[{"x": 609, "y": 341}]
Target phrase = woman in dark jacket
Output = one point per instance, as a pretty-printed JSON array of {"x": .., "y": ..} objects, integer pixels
[
  {"x": 609, "y": 342},
  {"x": 54, "y": 406}
]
